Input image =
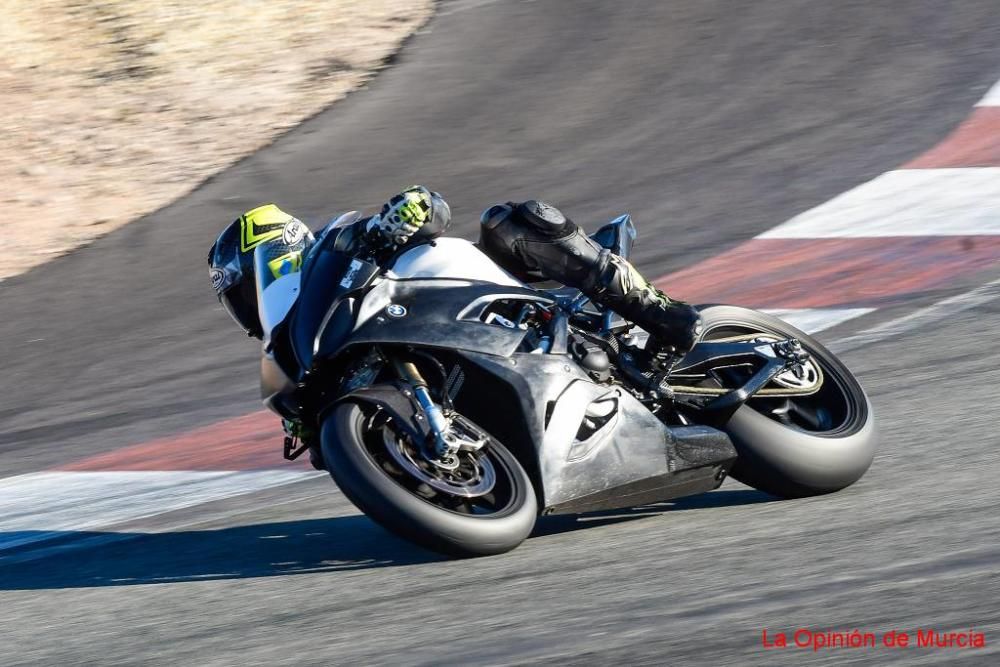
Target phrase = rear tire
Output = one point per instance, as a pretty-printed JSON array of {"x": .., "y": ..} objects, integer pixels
[
  {"x": 784, "y": 460},
  {"x": 399, "y": 510}
]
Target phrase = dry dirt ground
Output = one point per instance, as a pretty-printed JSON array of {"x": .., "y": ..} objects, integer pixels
[{"x": 113, "y": 108}]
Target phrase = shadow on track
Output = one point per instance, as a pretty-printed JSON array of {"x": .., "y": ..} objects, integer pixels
[
  {"x": 93, "y": 559},
  {"x": 78, "y": 559},
  {"x": 553, "y": 525}
]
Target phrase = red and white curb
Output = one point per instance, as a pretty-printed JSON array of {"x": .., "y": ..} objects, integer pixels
[
  {"x": 885, "y": 242},
  {"x": 224, "y": 460},
  {"x": 43, "y": 506}
]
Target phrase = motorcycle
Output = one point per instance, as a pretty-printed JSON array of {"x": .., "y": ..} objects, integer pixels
[{"x": 455, "y": 404}]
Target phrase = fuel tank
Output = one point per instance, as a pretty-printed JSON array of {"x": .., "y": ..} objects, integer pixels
[{"x": 450, "y": 258}]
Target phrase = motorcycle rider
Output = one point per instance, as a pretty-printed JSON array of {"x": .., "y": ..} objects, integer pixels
[{"x": 532, "y": 240}]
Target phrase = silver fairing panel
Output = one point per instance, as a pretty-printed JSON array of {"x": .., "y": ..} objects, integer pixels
[
  {"x": 451, "y": 258},
  {"x": 632, "y": 450},
  {"x": 434, "y": 299},
  {"x": 437, "y": 285}
]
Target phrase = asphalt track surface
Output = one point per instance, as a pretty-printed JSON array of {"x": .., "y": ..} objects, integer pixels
[{"x": 710, "y": 122}]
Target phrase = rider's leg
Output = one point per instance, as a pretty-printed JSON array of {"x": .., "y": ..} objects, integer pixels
[{"x": 536, "y": 241}]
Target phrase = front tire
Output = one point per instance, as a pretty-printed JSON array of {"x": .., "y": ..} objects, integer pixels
[
  {"x": 350, "y": 437},
  {"x": 784, "y": 459}
]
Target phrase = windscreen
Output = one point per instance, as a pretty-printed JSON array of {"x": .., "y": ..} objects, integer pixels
[
  {"x": 277, "y": 269},
  {"x": 274, "y": 259},
  {"x": 343, "y": 220}
]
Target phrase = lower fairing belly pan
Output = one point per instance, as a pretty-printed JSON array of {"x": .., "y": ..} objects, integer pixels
[
  {"x": 697, "y": 459},
  {"x": 631, "y": 458}
]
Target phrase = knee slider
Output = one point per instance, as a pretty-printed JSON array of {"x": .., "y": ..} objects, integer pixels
[{"x": 545, "y": 218}]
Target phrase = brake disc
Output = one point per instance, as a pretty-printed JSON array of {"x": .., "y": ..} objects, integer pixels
[{"x": 473, "y": 476}]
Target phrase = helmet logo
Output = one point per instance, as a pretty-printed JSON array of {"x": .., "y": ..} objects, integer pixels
[
  {"x": 293, "y": 232},
  {"x": 395, "y": 310},
  {"x": 262, "y": 224},
  {"x": 218, "y": 277}
]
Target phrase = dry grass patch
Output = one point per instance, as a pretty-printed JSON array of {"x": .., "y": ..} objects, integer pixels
[{"x": 114, "y": 108}]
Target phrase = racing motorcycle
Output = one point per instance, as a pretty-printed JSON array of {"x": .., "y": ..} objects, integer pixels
[{"x": 454, "y": 404}]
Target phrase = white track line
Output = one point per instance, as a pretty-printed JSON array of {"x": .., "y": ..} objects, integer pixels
[
  {"x": 992, "y": 97},
  {"x": 932, "y": 314},
  {"x": 90, "y": 540},
  {"x": 906, "y": 202},
  {"x": 814, "y": 320},
  {"x": 42, "y": 506}
]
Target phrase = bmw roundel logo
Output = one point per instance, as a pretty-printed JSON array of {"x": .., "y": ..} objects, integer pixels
[{"x": 395, "y": 310}]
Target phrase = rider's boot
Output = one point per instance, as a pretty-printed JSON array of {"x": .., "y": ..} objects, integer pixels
[{"x": 673, "y": 326}]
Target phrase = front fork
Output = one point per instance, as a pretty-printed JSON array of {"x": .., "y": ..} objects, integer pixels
[
  {"x": 440, "y": 427},
  {"x": 449, "y": 433}
]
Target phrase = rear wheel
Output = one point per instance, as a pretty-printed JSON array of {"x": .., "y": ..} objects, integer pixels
[
  {"x": 795, "y": 446},
  {"x": 477, "y": 504}
]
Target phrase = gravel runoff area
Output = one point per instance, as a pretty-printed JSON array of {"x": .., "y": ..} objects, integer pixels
[{"x": 114, "y": 108}]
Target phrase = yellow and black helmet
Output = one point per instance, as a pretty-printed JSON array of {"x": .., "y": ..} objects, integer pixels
[{"x": 286, "y": 240}]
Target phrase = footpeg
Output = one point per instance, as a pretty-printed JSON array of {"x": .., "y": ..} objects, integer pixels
[
  {"x": 291, "y": 452},
  {"x": 651, "y": 381}
]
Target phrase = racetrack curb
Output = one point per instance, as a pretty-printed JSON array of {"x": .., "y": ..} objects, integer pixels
[{"x": 883, "y": 243}]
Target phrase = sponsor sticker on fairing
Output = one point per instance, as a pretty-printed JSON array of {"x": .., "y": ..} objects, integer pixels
[{"x": 352, "y": 272}]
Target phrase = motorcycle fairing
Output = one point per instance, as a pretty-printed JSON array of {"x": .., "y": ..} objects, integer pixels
[
  {"x": 621, "y": 457},
  {"x": 450, "y": 258},
  {"x": 631, "y": 458},
  {"x": 329, "y": 276},
  {"x": 618, "y": 236},
  {"x": 433, "y": 313}
]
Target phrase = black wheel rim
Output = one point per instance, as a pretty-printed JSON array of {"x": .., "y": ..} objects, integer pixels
[{"x": 831, "y": 411}]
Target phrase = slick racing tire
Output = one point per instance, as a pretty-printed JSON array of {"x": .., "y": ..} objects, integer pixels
[
  {"x": 829, "y": 451},
  {"x": 355, "y": 443}
]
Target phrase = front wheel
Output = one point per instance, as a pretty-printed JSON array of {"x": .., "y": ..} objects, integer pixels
[
  {"x": 481, "y": 504},
  {"x": 797, "y": 446}
]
